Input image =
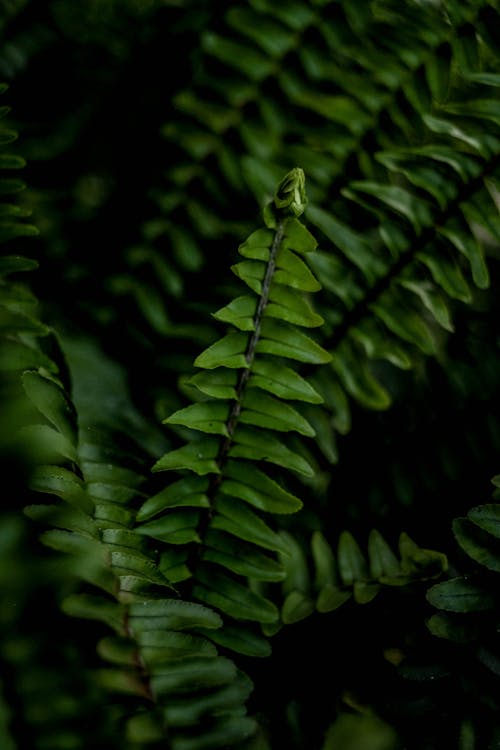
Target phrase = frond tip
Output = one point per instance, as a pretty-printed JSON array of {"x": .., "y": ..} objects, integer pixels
[
  {"x": 289, "y": 200},
  {"x": 290, "y": 196}
]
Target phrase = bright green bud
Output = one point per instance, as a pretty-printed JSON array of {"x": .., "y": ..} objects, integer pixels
[{"x": 291, "y": 194}]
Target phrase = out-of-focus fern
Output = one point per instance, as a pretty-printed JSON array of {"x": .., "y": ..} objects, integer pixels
[
  {"x": 338, "y": 576},
  {"x": 401, "y": 165},
  {"x": 467, "y": 617},
  {"x": 185, "y": 693},
  {"x": 32, "y": 660}
]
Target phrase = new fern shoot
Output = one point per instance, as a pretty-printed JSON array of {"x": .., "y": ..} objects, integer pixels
[{"x": 216, "y": 521}]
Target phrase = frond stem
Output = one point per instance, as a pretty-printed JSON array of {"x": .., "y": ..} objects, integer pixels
[{"x": 243, "y": 376}]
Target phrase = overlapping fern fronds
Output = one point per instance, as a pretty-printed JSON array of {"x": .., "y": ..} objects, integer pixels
[{"x": 394, "y": 110}]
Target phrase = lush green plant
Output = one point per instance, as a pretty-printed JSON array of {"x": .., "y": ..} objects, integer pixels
[{"x": 346, "y": 388}]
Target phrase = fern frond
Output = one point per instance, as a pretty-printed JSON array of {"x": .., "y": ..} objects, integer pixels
[
  {"x": 213, "y": 513},
  {"x": 325, "y": 578},
  {"x": 185, "y": 692}
]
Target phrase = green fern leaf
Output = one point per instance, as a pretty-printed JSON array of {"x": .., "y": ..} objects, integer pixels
[
  {"x": 231, "y": 597},
  {"x": 262, "y": 410},
  {"x": 282, "y": 382},
  {"x": 189, "y": 491},
  {"x": 205, "y": 417},
  {"x": 258, "y": 445}
]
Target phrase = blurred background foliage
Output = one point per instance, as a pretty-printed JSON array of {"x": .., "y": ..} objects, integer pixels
[{"x": 153, "y": 131}]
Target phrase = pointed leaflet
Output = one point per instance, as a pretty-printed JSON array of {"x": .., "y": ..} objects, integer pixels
[
  {"x": 160, "y": 646},
  {"x": 382, "y": 560},
  {"x": 241, "y": 640},
  {"x": 251, "y": 484},
  {"x": 282, "y": 382},
  {"x": 228, "y": 352},
  {"x": 109, "y": 515},
  {"x": 357, "y": 378},
  {"x": 446, "y": 273},
  {"x": 282, "y": 340},
  {"x": 198, "y": 456},
  {"x": 324, "y": 562},
  {"x": 469, "y": 245},
  {"x": 395, "y": 312},
  {"x": 192, "y": 674},
  {"x": 172, "y": 563},
  {"x": 117, "y": 650},
  {"x": 295, "y": 563},
  {"x": 176, "y": 527},
  {"x": 205, "y": 416},
  {"x": 46, "y": 444},
  {"x": 231, "y": 597},
  {"x": 62, "y": 517},
  {"x": 487, "y": 517},
  {"x": 453, "y": 627},
  {"x": 140, "y": 566},
  {"x": 123, "y": 538},
  {"x": 451, "y": 128},
  {"x": 93, "y": 607},
  {"x": 65, "y": 484},
  {"x": 432, "y": 300},
  {"x": 240, "y": 312},
  {"x": 262, "y": 410},
  {"x": 378, "y": 345},
  {"x": 352, "y": 564},
  {"x": 479, "y": 544},
  {"x": 188, "y": 491},
  {"x": 257, "y": 245},
  {"x": 351, "y": 244},
  {"x": 463, "y": 164},
  {"x": 461, "y": 595},
  {"x": 422, "y": 175},
  {"x": 331, "y": 598},
  {"x": 297, "y": 606},
  {"x": 258, "y": 445},
  {"x": 87, "y": 557},
  {"x": 173, "y": 614},
  {"x": 182, "y": 713},
  {"x": 252, "y": 273},
  {"x": 240, "y": 557},
  {"x": 297, "y": 237},
  {"x": 291, "y": 271},
  {"x": 218, "y": 384},
  {"x": 337, "y": 278},
  {"x": 237, "y": 519},
  {"x": 418, "y": 562},
  {"x": 335, "y": 398},
  {"x": 285, "y": 304},
  {"x": 228, "y": 731},
  {"x": 394, "y": 197}
]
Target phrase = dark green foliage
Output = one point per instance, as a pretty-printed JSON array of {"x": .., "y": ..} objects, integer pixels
[
  {"x": 468, "y": 605},
  {"x": 348, "y": 378},
  {"x": 337, "y": 577}
]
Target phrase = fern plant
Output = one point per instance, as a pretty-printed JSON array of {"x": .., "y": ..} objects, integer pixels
[{"x": 187, "y": 583}]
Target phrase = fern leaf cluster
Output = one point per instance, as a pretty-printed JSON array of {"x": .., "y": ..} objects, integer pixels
[
  {"x": 401, "y": 168},
  {"x": 156, "y": 652},
  {"x": 211, "y": 518},
  {"x": 339, "y": 576},
  {"x": 183, "y": 575},
  {"x": 466, "y": 616}
]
